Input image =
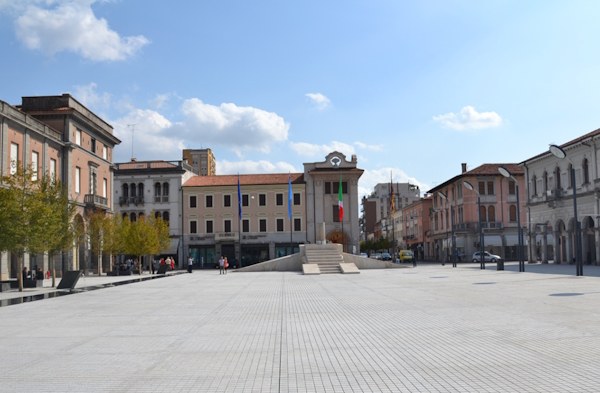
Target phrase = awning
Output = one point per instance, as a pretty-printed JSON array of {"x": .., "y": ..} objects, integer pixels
[
  {"x": 460, "y": 241},
  {"x": 173, "y": 249},
  {"x": 512, "y": 240},
  {"x": 492, "y": 240}
]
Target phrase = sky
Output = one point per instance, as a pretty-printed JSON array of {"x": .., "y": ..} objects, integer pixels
[{"x": 413, "y": 88}]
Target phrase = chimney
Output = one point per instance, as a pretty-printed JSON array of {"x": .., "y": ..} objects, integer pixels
[
  {"x": 133, "y": 160},
  {"x": 464, "y": 167}
]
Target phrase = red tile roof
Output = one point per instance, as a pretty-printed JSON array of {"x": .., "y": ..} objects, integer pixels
[
  {"x": 482, "y": 170},
  {"x": 232, "y": 180}
]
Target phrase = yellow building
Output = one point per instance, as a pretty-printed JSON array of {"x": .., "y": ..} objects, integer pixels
[{"x": 203, "y": 160}]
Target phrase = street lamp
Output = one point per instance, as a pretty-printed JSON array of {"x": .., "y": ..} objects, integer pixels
[
  {"x": 504, "y": 172},
  {"x": 560, "y": 153},
  {"x": 481, "y": 247},
  {"x": 452, "y": 226}
]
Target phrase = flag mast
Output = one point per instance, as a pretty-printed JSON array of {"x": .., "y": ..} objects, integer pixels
[
  {"x": 393, "y": 209},
  {"x": 341, "y": 210},
  {"x": 290, "y": 211},
  {"x": 240, "y": 221}
]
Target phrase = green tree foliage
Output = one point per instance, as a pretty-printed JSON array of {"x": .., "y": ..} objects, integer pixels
[
  {"x": 140, "y": 239},
  {"x": 95, "y": 222},
  {"x": 113, "y": 235}
]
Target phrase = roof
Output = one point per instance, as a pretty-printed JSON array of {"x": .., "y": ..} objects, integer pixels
[
  {"x": 256, "y": 179},
  {"x": 565, "y": 145},
  {"x": 144, "y": 165},
  {"x": 482, "y": 170}
]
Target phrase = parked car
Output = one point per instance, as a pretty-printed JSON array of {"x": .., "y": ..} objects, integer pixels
[
  {"x": 487, "y": 257},
  {"x": 406, "y": 256},
  {"x": 386, "y": 256},
  {"x": 376, "y": 255},
  {"x": 364, "y": 255}
]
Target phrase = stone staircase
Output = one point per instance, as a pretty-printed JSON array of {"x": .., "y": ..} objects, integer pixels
[{"x": 326, "y": 256}]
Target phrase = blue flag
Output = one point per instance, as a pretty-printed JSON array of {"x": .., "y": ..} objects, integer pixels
[
  {"x": 290, "y": 198},
  {"x": 239, "y": 198}
]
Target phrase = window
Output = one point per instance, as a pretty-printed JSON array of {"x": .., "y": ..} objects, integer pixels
[
  {"x": 105, "y": 152},
  {"x": 545, "y": 181},
  {"x": 279, "y": 199},
  {"x": 77, "y": 180},
  {"x": 157, "y": 192},
  {"x": 296, "y": 199},
  {"x": 245, "y": 200},
  {"x": 534, "y": 185},
  {"x": 104, "y": 187},
  {"x": 481, "y": 188},
  {"x": 297, "y": 225},
  {"x": 491, "y": 214},
  {"x": 209, "y": 226},
  {"x": 132, "y": 217},
  {"x": 165, "y": 188},
  {"x": 436, "y": 222},
  {"x": 336, "y": 187},
  {"x": 125, "y": 190},
  {"x": 262, "y": 199},
  {"x": 52, "y": 168},
  {"x": 157, "y": 215},
  {"x": 262, "y": 224},
  {"x": 93, "y": 146},
  {"x": 165, "y": 217},
  {"x": 227, "y": 226},
  {"x": 557, "y": 177},
  {"x": 209, "y": 200},
  {"x": 245, "y": 226},
  {"x": 280, "y": 225},
  {"x": 336, "y": 213},
  {"x": 14, "y": 158},
  {"x": 34, "y": 165},
  {"x": 193, "y": 201},
  {"x": 78, "y": 137},
  {"x": 511, "y": 187},
  {"x": 460, "y": 192},
  {"x": 512, "y": 213},
  {"x": 193, "y": 227},
  {"x": 586, "y": 171},
  {"x": 490, "y": 188},
  {"x": 226, "y": 200},
  {"x": 327, "y": 188},
  {"x": 483, "y": 213}
]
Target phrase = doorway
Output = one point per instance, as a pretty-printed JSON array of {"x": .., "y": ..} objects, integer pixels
[{"x": 228, "y": 250}]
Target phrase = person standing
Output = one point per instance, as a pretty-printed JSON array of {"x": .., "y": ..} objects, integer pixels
[
  {"x": 221, "y": 265},
  {"x": 225, "y": 265},
  {"x": 172, "y": 264},
  {"x": 190, "y": 263}
]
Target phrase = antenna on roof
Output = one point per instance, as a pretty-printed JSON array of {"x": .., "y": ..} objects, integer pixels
[{"x": 132, "y": 131}]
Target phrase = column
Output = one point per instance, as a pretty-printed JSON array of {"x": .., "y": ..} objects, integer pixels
[
  {"x": 584, "y": 246},
  {"x": 531, "y": 258},
  {"x": 544, "y": 246},
  {"x": 556, "y": 247},
  {"x": 570, "y": 253},
  {"x": 597, "y": 238},
  {"x": 4, "y": 152},
  {"x": 4, "y": 266}
]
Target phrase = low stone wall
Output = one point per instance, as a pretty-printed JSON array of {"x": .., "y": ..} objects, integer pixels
[
  {"x": 363, "y": 263},
  {"x": 290, "y": 263}
]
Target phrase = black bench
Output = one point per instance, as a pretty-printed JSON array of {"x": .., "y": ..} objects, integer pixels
[{"x": 7, "y": 285}]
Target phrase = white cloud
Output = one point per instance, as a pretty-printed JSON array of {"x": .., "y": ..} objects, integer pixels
[
  {"x": 369, "y": 147},
  {"x": 225, "y": 167},
  {"x": 239, "y": 128},
  {"x": 313, "y": 150},
  {"x": 372, "y": 177},
  {"x": 469, "y": 119},
  {"x": 319, "y": 99},
  {"x": 87, "y": 96},
  {"x": 70, "y": 26},
  {"x": 160, "y": 100}
]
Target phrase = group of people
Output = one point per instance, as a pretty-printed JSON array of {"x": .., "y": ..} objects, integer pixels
[
  {"x": 35, "y": 274},
  {"x": 169, "y": 262},
  {"x": 223, "y": 265}
]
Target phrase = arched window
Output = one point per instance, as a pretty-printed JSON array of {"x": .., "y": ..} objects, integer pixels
[
  {"x": 132, "y": 189},
  {"x": 124, "y": 215},
  {"x": 545, "y": 181},
  {"x": 512, "y": 213},
  {"x": 126, "y": 190},
  {"x": 141, "y": 190},
  {"x": 534, "y": 185},
  {"x": 157, "y": 192},
  {"x": 483, "y": 213},
  {"x": 132, "y": 217},
  {"x": 156, "y": 214},
  {"x": 491, "y": 214},
  {"x": 141, "y": 216},
  {"x": 586, "y": 171},
  {"x": 166, "y": 216},
  {"x": 557, "y": 177},
  {"x": 165, "y": 192}
]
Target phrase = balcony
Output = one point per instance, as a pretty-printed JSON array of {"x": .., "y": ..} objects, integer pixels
[
  {"x": 124, "y": 201},
  {"x": 139, "y": 201},
  {"x": 96, "y": 201},
  {"x": 159, "y": 199}
]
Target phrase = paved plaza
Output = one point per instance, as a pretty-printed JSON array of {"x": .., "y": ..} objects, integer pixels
[{"x": 429, "y": 329}]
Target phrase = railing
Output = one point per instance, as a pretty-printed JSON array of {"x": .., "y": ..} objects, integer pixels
[
  {"x": 96, "y": 200},
  {"x": 139, "y": 200},
  {"x": 159, "y": 199},
  {"x": 474, "y": 226},
  {"x": 123, "y": 200}
]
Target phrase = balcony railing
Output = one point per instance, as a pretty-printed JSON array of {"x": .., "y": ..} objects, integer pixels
[
  {"x": 123, "y": 201},
  {"x": 159, "y": 199},
  {"x": 139, "y": 200},
  {"x": 96, "y": 201}
]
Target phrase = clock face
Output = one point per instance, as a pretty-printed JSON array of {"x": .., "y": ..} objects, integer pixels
[{"x": 335, "y": 161}]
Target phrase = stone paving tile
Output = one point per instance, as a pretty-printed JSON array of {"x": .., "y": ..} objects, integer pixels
[{"x": 429, "y": 329}]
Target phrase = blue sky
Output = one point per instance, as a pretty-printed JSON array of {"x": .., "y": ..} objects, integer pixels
[{"x": 415, "y": 88}]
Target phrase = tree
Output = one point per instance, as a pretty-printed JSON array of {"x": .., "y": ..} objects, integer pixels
[
  {"x": 141, "y": 238},
  {"x": 114, "y": 235},
  {"x": 23, "y": 214},
  {"x": 95, "y": 223}
]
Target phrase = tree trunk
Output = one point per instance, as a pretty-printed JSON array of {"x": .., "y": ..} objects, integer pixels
[
  {"x": 53, "y": 269},
  {"x": 20, "y": 275},
  {"x": 139, "y": 263}
]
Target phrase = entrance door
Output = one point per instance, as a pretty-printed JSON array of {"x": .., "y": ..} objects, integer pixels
[{"x": 228, "y": 250}]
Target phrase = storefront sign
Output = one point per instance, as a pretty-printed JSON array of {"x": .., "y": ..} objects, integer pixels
[{"x": 225, "y": 236}]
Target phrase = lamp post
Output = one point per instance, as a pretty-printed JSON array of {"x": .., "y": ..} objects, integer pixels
[
  {"x": 452, "y": 226},
  {"x": 481, "y": 246},
  {"x": 504, "y": 172},
  {"x": 560, "y": 153}
]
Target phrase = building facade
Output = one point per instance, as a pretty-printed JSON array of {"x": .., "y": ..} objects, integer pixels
[
  {"x": 203, "y": 160},
  {"x": 550, "y": 197},
  {"x": 59, "y": 136},
  {"x": 458, "y": 212},
  {"x": 417, "y": 234},
  {"x": 154, "y": 187}
]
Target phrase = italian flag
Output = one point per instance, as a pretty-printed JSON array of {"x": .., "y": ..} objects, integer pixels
[{"x": 341, "y": 200}]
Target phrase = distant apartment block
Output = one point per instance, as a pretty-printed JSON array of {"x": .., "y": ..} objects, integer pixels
[{"x": 203, "y": 160}]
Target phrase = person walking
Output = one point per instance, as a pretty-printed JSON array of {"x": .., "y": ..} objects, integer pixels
[
  {"x": 221, "y": 265},
  {"x": 225, "y": 265},
  {"x": 172, "y": 264},
  {"x": 190, "y": 263}
]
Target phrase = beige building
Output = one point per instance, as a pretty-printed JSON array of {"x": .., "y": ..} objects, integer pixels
[{"x": 203, "y": 160}]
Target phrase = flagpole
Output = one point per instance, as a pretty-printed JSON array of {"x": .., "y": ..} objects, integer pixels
[
  {"x": 393, "y": 224},
  {"x": 239, "y": 221},
  {"x": 341, "y": 193},
  {"x": 290, "y": 212}
]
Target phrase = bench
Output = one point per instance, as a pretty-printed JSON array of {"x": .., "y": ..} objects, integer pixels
[{"x": 7, "y": 285}]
